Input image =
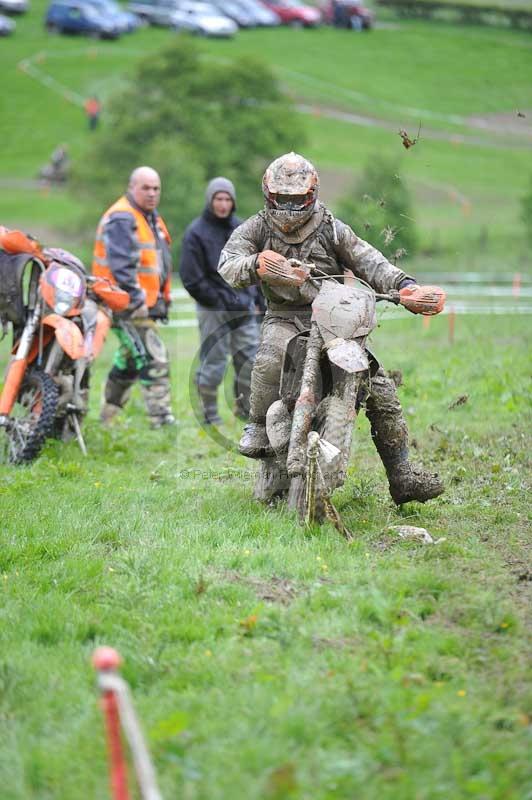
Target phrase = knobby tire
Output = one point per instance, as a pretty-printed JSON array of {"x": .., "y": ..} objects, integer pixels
[{"x": 25, "y": 445}]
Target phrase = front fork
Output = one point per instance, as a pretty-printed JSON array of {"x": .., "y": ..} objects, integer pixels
[
  {"x": 306, "y": 405},
  {"x": 18, "y": 365}
]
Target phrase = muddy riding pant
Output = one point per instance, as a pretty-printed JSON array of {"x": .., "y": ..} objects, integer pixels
[{"x": 141, "y": 356}]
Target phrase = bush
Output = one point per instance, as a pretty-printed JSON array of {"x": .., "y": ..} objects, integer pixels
[
  {"x": 379, "y": 209},
  {"x": 191, "y": 119}
]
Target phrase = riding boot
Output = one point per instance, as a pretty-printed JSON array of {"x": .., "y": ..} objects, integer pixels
[
  {"x": 254, "y": 442},
  {"x": 389, "y": 432},
  {"x": 116, "y": 393},
  {"x": 108, "y": 412},
  {"x": 209, "y": 404}
]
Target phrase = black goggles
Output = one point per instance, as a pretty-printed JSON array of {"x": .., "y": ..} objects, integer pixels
[{"x": 292, "y": 202}]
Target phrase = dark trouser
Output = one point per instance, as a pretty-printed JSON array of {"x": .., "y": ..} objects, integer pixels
[
  {"x": 224, "y": 334},
  {"x": 141, "y": 356}
]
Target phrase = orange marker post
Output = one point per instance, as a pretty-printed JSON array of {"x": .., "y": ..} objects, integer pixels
[
  {"x": 516, "y": 285},
  {"x": 105, "y": 660}
]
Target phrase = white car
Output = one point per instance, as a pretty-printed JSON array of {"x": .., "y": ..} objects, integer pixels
[
  {"x": 7, "y": 26},
  {"x": 14, "y": 6},
  {"x": 202, "y": 18}
]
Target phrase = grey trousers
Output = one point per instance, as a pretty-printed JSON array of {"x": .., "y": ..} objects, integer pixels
[{"x": 226, "y": 334}]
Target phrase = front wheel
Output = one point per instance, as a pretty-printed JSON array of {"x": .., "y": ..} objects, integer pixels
[
  {"x": 272, "y": 479},
  {"x": 32, "y": 417}
]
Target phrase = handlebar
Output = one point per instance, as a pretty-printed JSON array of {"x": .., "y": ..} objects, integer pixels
[{"x": 318, "y": 275}]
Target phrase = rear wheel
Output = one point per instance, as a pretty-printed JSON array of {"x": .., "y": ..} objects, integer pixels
[{"x": 32, "y": 417}]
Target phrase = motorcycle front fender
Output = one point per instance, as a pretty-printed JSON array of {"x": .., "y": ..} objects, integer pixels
[
  {"x": 348, "y": 355},
  {"x": 68, "y": 335}
]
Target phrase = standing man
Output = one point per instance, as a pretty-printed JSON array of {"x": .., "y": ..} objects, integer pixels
[
  {"x": 294, "y": 224},
  {"x": 226, "y": 316},
  {"x": 92, "y": 109},
  {"x": 132, "y": 249}
]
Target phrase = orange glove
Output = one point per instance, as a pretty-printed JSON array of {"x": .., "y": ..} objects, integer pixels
[
  {"x": 276, "y": 270},
  {"x": 426, "y": 300}
]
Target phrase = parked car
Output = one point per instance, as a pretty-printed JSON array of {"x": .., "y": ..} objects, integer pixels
[
  {"x": 235, "y": 11},
  {"x": 71, "y": 16},
  {"x": 14, "y": 6},
  {"x": 156, "y": 12},
  {"x": 203, "y": 18},
  {"x": 126, "y": 21},
  {"x": 295, "y": 13},
  {"x": 7, "y": 26},
  {"x": 347, "y": 14},
  {"x": 262, "y": 16}
]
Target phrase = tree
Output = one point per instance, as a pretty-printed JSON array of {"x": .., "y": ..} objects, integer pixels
[
  {"x": 380, "y": 209},
  {"x": 191, "y": 119}
]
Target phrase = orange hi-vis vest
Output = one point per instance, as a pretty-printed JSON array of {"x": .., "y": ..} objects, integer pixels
[{"x": 148, "y": 265}]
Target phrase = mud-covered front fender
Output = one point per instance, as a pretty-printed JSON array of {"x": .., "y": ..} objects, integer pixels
[
  {"x": 348, "y": 355},
  {"x": 68, "y": 335}
]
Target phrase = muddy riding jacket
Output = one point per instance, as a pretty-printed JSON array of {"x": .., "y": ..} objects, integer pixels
[
  {"x": 132, "y": 250},
  {"x": 324, "y": 241}
]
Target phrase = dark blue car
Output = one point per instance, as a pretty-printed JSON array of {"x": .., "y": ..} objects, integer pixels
[
  {"x": 126, "y": 21},
  {"x": 70, "y": 16}
]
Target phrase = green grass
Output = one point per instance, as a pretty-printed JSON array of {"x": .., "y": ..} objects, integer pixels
[
  {"x": 443, "y": 70},
  {"x": 267, "y": 661}
]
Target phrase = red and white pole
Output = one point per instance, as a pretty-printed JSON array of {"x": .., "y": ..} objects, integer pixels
[
  {"x": 106, "y": 661},
  {"x": 118, "y": 707}
]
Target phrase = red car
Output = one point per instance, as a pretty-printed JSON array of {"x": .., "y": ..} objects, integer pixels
[
  {"x": 347, "y": 14},
  {"x": 295, "y": 13}
]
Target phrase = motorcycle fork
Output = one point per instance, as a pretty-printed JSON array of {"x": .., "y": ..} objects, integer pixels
[
  {"x": 306, "y": 405},
  {"x": 18, "y": 365},
  {"x": 349, "y": 395},
  {"x": 74, "y": 403}
]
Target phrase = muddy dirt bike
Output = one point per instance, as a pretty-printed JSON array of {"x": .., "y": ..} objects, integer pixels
[
  {"x": 325, "y": 373},
  {"x": 60, "y": 317}
]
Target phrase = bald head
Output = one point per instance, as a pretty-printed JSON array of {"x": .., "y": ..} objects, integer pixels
[{"x": 145, "y": 188}]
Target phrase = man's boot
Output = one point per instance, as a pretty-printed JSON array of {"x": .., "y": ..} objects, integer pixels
[
  {"x": 108, "y": 412},
  {"x": 409, "y": 481},
  {"x": 209, "y": 404},
  {"x": 116, "y": 393},
  {"x": 254, "y": 442},
  {"x": 389, "y": 432}
]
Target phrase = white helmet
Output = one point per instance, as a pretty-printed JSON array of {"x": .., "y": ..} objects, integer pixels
[{"x": 290, "y": 186}]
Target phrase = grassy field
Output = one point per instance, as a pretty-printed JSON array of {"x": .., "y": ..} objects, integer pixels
[
  {"x": 267, "y": 661},
  {"x": 439, "y": 76}
]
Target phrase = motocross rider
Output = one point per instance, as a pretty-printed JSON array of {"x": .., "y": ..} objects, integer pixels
[{"x": 294, "y": 224}]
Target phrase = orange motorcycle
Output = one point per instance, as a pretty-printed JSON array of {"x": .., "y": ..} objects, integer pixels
[{"x": 60, "y": 317}]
